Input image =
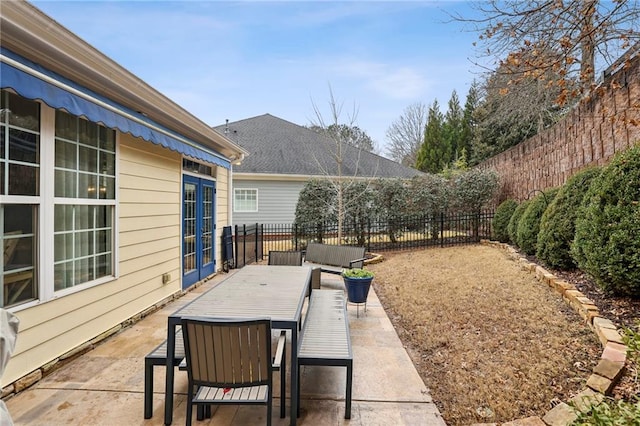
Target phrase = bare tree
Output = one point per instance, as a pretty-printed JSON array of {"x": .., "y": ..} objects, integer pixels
[
  {"x": 353, "y": 135},
  {"x": 406, "y": 134},
  {"x": 571, "y": 38},
  {"x": 340, "y": 150},
  {"x": 512, "y": 111}
]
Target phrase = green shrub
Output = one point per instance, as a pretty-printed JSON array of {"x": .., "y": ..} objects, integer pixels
[
  {"x": 314, "y": 208},
  {"x": 529, "y": 224},
  {"x": 610, "y": 413},
  {"x": 357, "y": 273},
  {"x": 474, "y": 189},
  {"x": 557, "y": 226},
  {"x": 607, "y": 243},
  {"x": 501, "y": 219},
  {"x": 513, "y": 222}
]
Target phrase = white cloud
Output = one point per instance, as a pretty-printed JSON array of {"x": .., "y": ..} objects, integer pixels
[{"x": 400, "y": 83}]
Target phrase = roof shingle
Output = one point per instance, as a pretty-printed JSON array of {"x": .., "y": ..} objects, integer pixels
[{"x": 277, "y": 146}]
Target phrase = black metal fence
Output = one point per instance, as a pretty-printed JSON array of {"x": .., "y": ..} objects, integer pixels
[
  {"x": 248, "y": 242},
  {"x": 383, "y": 235}
]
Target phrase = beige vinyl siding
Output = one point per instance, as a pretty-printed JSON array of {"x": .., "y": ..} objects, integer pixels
[
  {"x": 222, "y": 210},
  {"x": 148, "y": 215}
]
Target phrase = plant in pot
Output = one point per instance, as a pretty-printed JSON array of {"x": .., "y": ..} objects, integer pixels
[{"x": 357, "y": 282}]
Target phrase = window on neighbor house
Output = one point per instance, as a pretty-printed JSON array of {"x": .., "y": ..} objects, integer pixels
[
  {"x": 19, "y": 197},
  {"x": 84, "y": 201},
  {"x": 245, "y": 200}
]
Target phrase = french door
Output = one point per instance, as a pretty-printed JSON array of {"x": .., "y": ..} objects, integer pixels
[{"x": 198, "y": 229}]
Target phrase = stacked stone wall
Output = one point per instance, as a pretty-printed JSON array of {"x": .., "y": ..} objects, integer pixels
[{"x": 596, "y": 129}]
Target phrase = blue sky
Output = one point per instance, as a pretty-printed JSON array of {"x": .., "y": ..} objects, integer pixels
[{"x": 234, "y": 60}]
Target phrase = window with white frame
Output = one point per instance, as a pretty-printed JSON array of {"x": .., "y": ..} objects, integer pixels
[
  {"x": 245, "y": 200},
  {"x": 85, "y": 159},
  {"x": 59, "y": 166},
  {"x": 19, "y": 197}
]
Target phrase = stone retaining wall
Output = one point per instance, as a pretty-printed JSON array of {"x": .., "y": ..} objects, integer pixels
[{"x": 590, "y": 134}]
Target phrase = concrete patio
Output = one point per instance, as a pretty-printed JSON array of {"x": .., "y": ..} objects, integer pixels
[{"x": 105, "y": 385}]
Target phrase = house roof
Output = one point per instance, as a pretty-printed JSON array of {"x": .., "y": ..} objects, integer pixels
[{"x": 277, "y": 146}]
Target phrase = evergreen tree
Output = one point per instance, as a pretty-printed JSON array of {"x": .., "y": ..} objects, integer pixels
[
  {"x": 434, "y": 154},
  {"x": 469, "y": 121},
  {"x": 453, "y": 128}
]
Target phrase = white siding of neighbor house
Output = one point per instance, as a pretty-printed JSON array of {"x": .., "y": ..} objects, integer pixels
[
  {"x": 148, "y": 226},
  {"x": 277, "y": 201}
]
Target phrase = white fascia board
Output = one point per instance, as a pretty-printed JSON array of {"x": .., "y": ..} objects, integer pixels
[{"x": 288, "y": 177}]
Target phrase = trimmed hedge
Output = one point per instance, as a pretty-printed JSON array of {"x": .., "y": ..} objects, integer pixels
[
  {"x": 501, "y": 220},
  {"x": 512, "y": 229},
  {"x": 557, "y": 226},
  {"x": 529, "y": 224},
  {"x": 607, "y": 240}
]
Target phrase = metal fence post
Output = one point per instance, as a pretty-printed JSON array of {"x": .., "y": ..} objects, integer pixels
[
  {"x": 244, "y": 244},
  {"x": 237, "y": 246},
  {"x": 441, "y": 236},
  {"x": 476, "y": 227}
]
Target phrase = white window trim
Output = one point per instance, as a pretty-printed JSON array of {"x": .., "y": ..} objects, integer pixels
[
  {"x": 46, "y": 202},
  {"x": 235, "y": 207},
  {"x": 47, "y": 165}
]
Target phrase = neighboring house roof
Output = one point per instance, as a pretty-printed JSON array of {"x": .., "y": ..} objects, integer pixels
[{"x": 277, "y": 146}]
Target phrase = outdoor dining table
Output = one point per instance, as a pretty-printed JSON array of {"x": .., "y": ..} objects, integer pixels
[{"x": 276, "y": 292}]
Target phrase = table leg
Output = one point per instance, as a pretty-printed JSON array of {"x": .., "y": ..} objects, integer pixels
[
  {"x": 294, "y": 375},
  {"x": 168, "y": 389}
]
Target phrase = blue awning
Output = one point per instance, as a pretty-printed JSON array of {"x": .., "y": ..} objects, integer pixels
[{"x": 95, "y": 107}]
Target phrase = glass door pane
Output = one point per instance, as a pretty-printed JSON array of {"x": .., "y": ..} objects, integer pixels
[
  {"x": 189, "y": 228},
  {"x": 207, "y": 224},
  {"x": 198, "y": 230}
]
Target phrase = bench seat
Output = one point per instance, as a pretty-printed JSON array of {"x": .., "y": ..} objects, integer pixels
[
  {"x": 156, "y": 357},
  {"x": 325, "y": 338}
]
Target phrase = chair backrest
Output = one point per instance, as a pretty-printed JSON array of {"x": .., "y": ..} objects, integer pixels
[
  {"x": 290, "y": 258},
  {"x": 335, "y": 255},
  {"x": 228, "y": 353}
]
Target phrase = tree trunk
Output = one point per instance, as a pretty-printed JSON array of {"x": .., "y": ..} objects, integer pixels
[
  {"x": 340, "y": 212},
  {"x": 587, "y": 46}
]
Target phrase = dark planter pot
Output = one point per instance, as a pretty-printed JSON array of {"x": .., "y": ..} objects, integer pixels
[{"x": 357, "y": 289}]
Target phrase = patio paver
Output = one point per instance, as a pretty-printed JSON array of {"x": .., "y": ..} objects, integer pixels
[{"x": 105, "y": 386}]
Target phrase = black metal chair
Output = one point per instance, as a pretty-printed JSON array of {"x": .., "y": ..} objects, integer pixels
[
  {"x": 290, "y": 258},
  {"x": 294, "y": 258}
]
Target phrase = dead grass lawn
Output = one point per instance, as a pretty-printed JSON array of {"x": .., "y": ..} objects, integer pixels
[{"x": 490, "y": 342}]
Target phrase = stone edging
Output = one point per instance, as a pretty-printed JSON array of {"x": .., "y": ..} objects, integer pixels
[
  {"x": 377, "y": 258},
  {"x": 605, "y": 375}
]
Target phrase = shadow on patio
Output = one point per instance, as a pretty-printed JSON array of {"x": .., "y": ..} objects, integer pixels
[{"x": 105, "y": 386}]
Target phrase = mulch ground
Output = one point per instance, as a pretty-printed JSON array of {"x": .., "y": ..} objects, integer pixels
[{"x": 490, "y": 342}]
